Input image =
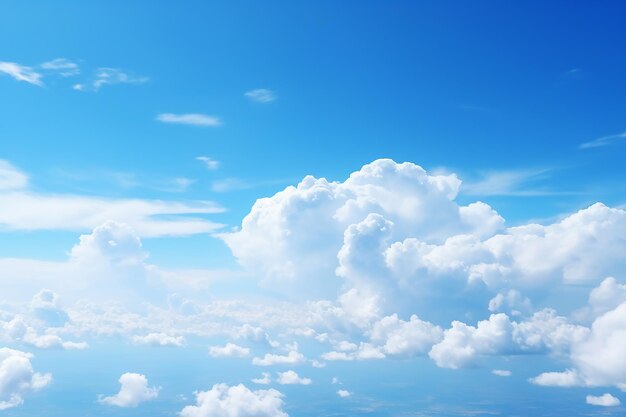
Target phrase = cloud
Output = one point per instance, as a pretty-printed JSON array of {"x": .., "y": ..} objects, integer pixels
[
  {"x": 508, "y": 183},
  {"x": 194, "y": 119},
  {"x": 604, "y": 400},
  {"x": 24, "y": 210},
  {"x": 270, "y": 359},
  {"x": 603, "y": 141},
  {"x": 236, "y": 401},
  {"x": 17, "y": 377},
  {"x": 569, "y": 378},
  {"x": 160, "y": 339},
  {"x": 400, "y": 337},
  {"x": 501, "y": 372},
  {"x": 264, "y": 380},
  {"x": 210, "y": 163},
  {"x": 109, "y": 76},
  {"x": 11, "y": 178},
  {"x": 230, "y": 350},
  {"x": 292, "y": 378},
  {"x": 344, "y": 393},
  {"x": 62, "y": 66},
  {"x": 21, "y": 73},
  {"x": 229, "y": 184},
  {"x": 134, "y": 390},
  {"x": 261, "y": 95}
]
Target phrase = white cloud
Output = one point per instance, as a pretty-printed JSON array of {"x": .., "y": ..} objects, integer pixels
[
  {"x": 210, "y": 163},
  {"x": 195, "y": 119},
  {"x": 261, "y": 95},
  {"x": 603, "y": 141},
  {"x": 501, "y": 372},
  {"x": 270, "y": 359},
  {"x": 400, "y": 337},
  {"x": 160, "y": 339},
  {"x": 134, "y": 390},
  {"x": 509, "y": 183},
  {"x": 23, "y": 210},
  {"x": 292, "y": 378},
  {"x": 230, "y": 350},
  {"x": 462, "y": 345},
  {"x": 62, "y": 66},
  {"x": 569, "y": 378},
  {"x": 21, "y": 73},
  {"x": 229, "y": 184},
  {"x": 11, "y": 178},
  {"x": 344, "y": 393},
  {"x": 264, "y": 380},
  {"x": 109, "y": 76},
  {"x": 607, "y": 296},
  {"x": 17, "y": 377},
  {"x": 604, "y": 400},
  {"x": 236, "y": 401}
]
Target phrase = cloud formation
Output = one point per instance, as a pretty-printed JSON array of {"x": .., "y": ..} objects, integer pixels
[
  {"x": 133, "y": 391},
  {"x": 261, "y": 95},
  {"x": 194, "y": 119},
  {"x": 17, "y": 377},
  {"x": 236, "y": 401},
  {"x": 21, "y": 73}
]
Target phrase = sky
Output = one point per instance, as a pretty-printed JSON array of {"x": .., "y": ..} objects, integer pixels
[{"x": 272, "y": 209}]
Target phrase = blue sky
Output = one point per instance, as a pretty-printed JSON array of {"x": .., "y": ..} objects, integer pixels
[{"x": 418, "y": 205}]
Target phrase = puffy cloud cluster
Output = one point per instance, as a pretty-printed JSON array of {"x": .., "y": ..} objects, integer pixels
[
  {"x": 230, "y": 350},
  {"x": 160, "y": 339},
  {"x": 292, "y": 378},
  {"x": 133, "y": 391},
  {"x": 236, "y": 401},
  {"x": 17, "y": 377}
]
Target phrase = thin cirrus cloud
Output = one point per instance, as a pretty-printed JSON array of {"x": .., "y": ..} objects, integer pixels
[
  {"x": 193, "y": 119},
  {"x": 109, "y": 76},
  {"x": 603, "y": 141},
  {"x": 64, "y": 67},
  {"x": 209, "y": 162},
  {"x": 261, "y": 95},
  {"x": 21, "y": 73}
]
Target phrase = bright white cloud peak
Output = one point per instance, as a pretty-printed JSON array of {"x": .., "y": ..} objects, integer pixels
[
  {"x": 604, "y": 400},
  {"x": 236, "y": 401},
  {"x": 17, "y": 377},
  {"x": 133, "y": 391},
  {"x": 195, "y": 119}
]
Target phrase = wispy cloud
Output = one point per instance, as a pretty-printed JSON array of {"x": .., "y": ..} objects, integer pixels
[
  {"x": 603, "y": 141},
  {"x": 210, "y": 163},
  {"x": 21, "y": 73},
  {"x": 229, "y": 184},
  {"x": 11, "y": 178},
  {"x": 195, "y": 119},
  {"x": 261, "y": 95},
  {"x": 109, "y": 76},
  {"x": 62, "y": 66},
  {"x": 511, "y": 183}
]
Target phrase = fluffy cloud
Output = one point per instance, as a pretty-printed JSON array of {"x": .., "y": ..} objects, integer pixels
[
  {"x": 21, "y": 73},
  {"x": 17, "y": 377},
  {"x": 292, "y": 378},
  {"x": 195, "y": 119},
  {"x": 293, "y": 357},
  {"x": 230, "y": 350},
  {"x": 160, "y": 339},
  {"x": 134, "y": 390},
  {"x": 344, "y": 393},
  {"x": 604, "y": 400},
  {"x": 265, "y": 379},
  {"x": 400, "y": 337},
  {"x": 236, "y": 401}
]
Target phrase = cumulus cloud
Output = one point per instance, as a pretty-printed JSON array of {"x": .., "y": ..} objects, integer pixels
[
  {"x": 265, "y": 379},
  {"x": 21, "y": 73},
  {"x": 160, "y": 339},
  {"x": 261, "y": 95},
  {"x": 604, "y": 400},
  {"x": 292, "y": 378},
  {"x": 293, "y": 357},
  {"x": 194, "y": 119},
  {"x": 236, "y": 401},
  {"x": 344, "y": 393},
  {"x": 18, "y": 378},
  {"x": 134, "y": 390},
  {"x": 400, "y": 337},
  {"x": 230, "y": 350}
]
